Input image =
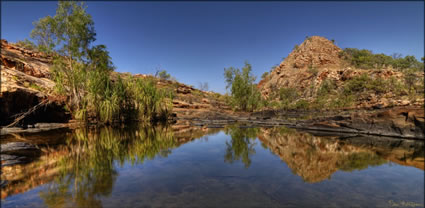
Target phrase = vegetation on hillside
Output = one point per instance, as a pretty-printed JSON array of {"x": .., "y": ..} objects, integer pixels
[
  {"x": 82, "y": 71},
  {"x": 365, "y": 59}
]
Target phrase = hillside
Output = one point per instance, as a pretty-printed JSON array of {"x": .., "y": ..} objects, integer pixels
[
  {"x": 25, "y": 83},
  {"x": 317, "y": 72}
]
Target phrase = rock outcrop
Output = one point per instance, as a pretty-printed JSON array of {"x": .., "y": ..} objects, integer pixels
[
  {"x": 25, "y": 83},
  {"x": 405, "y": 122},
  {"x": 318, "y": 59},
  {"x": 315, "y": 52}
]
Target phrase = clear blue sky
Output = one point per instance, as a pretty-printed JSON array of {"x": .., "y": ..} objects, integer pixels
[{"x": 194, "y": 41}]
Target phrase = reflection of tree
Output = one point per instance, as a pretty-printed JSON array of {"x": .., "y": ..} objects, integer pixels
[
  {"x": 89, "y": 172},
  {"x": 89, "y": 158},
  {"x": 360, "y": 161},
  {"x": 241, "y": 146}
]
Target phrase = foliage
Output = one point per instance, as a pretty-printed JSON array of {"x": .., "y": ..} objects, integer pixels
[
  {"x": 301, "y": 104},
  {"x": 162, "y": 74},
  {"x": 241, "y": 146},
  {"x": 364, "y": 83},
  {"x": 27, "y": 44},
  {"x": 244, "y": 93},
  {"x": 287, "y": 95},
  {"x": 326, "y": 87},
  {"x": 367, "y": 60},
  {"x": 36, "y": 87},
  {"x": 150, "y": 102},
  {"x": 82, "y": 71}
]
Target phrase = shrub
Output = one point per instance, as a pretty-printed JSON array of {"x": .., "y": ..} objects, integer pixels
[
  {"x": 326, "y": 87},
  {"x": 302, "y": 104},
  {"x": 367, "y": 60},
  {"x": 27, "y": 44},
  {"x": 163, "y": 75},
  {"x": 342, "y": 101},
  {"x": 410, "y": 79},
  {"x": 356, "y": 85}
]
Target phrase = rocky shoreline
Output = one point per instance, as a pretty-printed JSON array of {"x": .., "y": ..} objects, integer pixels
[{"x": 400, "y": 122}]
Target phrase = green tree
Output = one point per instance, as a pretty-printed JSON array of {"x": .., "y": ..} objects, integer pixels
[
  {"x": 71, "y": 31},
  {"x": 45, "y": 33},
  {"x": 244, "y": 92},
  {"x": 82, "y": 71}
]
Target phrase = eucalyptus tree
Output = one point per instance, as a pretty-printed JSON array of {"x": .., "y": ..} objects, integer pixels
[{"x": 244, "y": 92}]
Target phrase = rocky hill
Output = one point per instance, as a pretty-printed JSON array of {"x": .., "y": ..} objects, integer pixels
[{"x": 318, "y": 60}]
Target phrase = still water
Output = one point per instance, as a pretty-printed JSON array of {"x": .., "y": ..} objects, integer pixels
[{"x": 199, "y": 167}]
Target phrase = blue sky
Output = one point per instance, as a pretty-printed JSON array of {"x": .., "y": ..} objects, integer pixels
[{"x": 195, "y": 41}]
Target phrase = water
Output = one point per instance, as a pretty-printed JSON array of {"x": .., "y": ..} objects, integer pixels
[{"x": 230, "y": 167}]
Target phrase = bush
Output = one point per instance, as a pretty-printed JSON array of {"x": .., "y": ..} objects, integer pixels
[
  {"x": 163, "y": 75},
  {"x": 325, "y": 88},
  {"x": 288, "y": 95},
  {"x": 356, "y": 85},
  {"x": 302, "y": 104},
  {"x": 367, "y": 60},
  {"x": 27, "y": 44},
  {"x": 342, "y": 101}
]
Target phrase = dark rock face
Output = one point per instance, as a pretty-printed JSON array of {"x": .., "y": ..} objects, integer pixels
[{"x": 20, "y": 101}]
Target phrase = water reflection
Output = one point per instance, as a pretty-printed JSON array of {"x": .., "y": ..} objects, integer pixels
[
  {"x": 241, "y": 145},
  {"x": 83, "y": 170},
  {"x": 84, "y": 167},
  {"x": 316, "y": 158}
]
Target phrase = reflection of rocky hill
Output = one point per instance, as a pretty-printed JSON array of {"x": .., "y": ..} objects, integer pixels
[
  {"x": 317, "y": 158},
  {"x": 90, "y": 153}
]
